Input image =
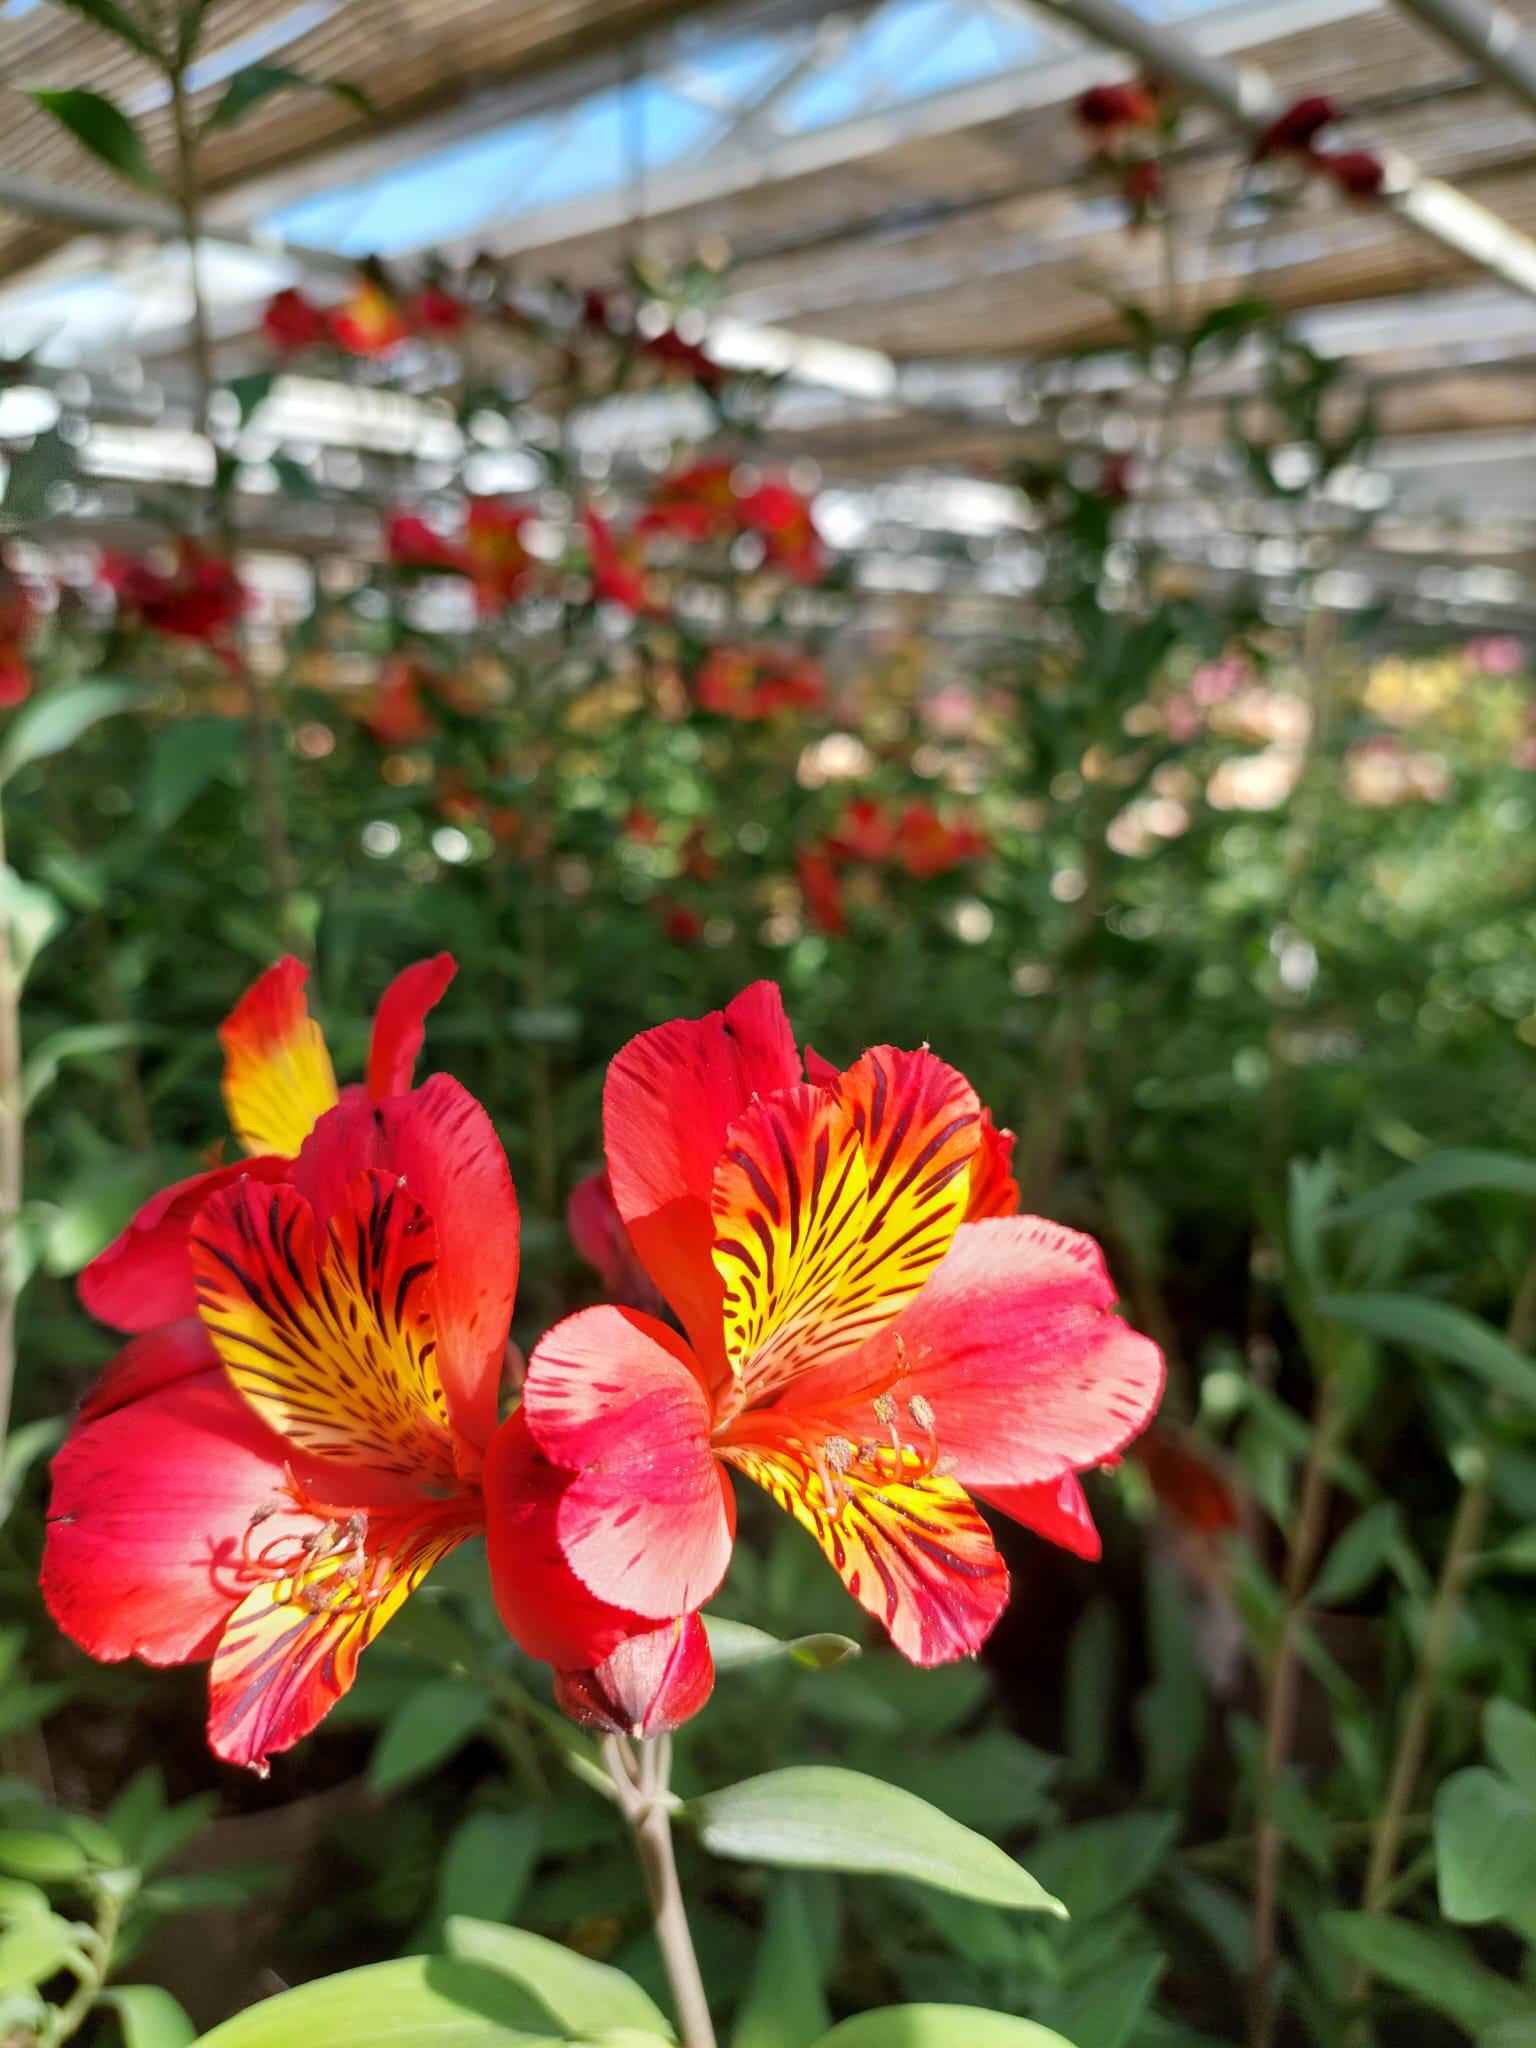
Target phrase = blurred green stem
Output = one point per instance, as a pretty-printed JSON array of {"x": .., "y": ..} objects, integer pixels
[
  {"x": 264, "y": 777},
  {"x": 66, "y": 2020},
  {"x": 10, "y": 1152},
  {"x": 1457, "y": 1568},
  {"x": 1302, "y": 1558},
  {"x": 640, "y": 1771}
]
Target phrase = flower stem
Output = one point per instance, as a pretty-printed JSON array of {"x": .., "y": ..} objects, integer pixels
[
  {"x": 1280, "y": 1712},
  {"x": 1456, "y": 1570},
  {"x": 67, "y": 2020},
  {"x": 10, "y": 1154},
  {"x": 640, "y": 1771}
]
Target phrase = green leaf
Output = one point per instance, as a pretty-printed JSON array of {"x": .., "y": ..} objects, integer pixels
[
  {"x": 584, "y": 1997},
  {"x": 75, "y": 1042},
  {"x": 20, "y": 1452},
  {"x": 1452, "y": 1172},
  {"x": 414, "y": 2002},
  {"x": 251, "y": 390},
  {"x": 49, "y": 724},
  {"x": 150, "y": 2017},
  {"x": 425, "y": 1730},
  {"x": 939, "y": 2026},
  {"x": 34, "y": 477},
  {"x": 737, "y": 1646},
  {"x": 32, "y": 1950},
  {"x": 1358, "y": 1555},
  {"x": 119, "y": 22},
  {"x": 187, "y": 756},
  {"x": 1440, "y": 1330},
  {"x": 258, "y": 82},
  {"x": 31, "y": 915},
  {"x": 1485, "y": 1846},
  {"x": 104, "y": 129},
  {"x": 784, "y": 2006},
  {"x": 816, "y": 1817},
  {"x": 1436, "y": 1967},
  {"x": 40, "y": 1855},
  {"x": 1100, "y": 1864},
  {"x": 1509, "y": 1736},
  {"x": 487, "y": 1864}
]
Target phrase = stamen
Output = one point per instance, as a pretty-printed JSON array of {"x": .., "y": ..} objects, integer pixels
[
  {"x": 839, "y": 1453},
  {"x": 885, "y": 1408},
  {"x": 921, "y": 1411}
]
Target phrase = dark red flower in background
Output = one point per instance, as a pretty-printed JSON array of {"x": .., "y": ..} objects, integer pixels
[
  {"x": 821, "y": 887},
  {"x": 201, "y": 598},
  {"x": 618, "y": 567},
  {"x": 17, "y": 616},
  {"x": 1297, "y": 127},
  {"x": 1133, "y": 104},
  {"x": 675, "y": 357},
  {"x": 292, "y": 322},
  {"x": 750, "y": 683},
  {"x": 1356, "y": 172}
]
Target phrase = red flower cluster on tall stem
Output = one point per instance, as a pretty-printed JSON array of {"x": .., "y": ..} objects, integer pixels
[
  {"x": 374, "y": 319},
  {"x": 709, "y": 501},
  {"x": 859, "y": 1338},
  {"x": 1126, "y": 122},
  {"x": 751, "y": 683},
  {"x": 1293, "y": 133},
  {"x": 490, "y": 550}
]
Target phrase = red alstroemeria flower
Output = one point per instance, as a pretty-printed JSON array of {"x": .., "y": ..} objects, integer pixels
[
  {"x": 292, "y": 322},
  {"x": 201, "y": 599},
  {"x": 495, "y": 554},
  {"x": 696, "y": 504},
  {"x": 618, "y": 568},
  {"x": 17, "y": 616},
  {"x": 263, "y": 1484},
  {"x": 872, "y": 1358},
  {"x": 435, "y": 312},
  {"x": 675, "y": 357},
  {"x": 370, "y": 323},
  {"x": 821, "y": 887},
  {"x": 1296, "y": 127},
  {"x": 278, "y": 1083},
  {"x": 927, "y": 846},
  {"x": 399, "y": 715},
  {"x": 865, "y": 832},
  {"x": 1186, "y": 1478},
  {"x": 791, "y": 539},
  {"x": 750, "y": 683},
  {"x": 1356, "y": 172},
  {"x": 1105, "y": 108},
  {"x": 410, "y": 542}
]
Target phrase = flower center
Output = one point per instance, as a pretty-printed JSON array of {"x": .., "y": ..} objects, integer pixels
[{"x": 324, "y": 1569}]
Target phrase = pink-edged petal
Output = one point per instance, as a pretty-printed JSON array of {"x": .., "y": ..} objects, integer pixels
[
  {"x": 144, "y": 1277},
  {"x": 649, "y": 1685},
  {"x": 278, "y": 1077},
  {"x": 443, "y": 1145},
  {"x": 546, "y": 1609},
  {"x": 1014, "y": 1347},
  {"x": 612, "y": 1395},
  {"x": 399, "y": 1023},
  {"x": 1056, "y": 1509},
  {"x": 151, "y": 1496},
  {"x": 671, "y": 1096}
]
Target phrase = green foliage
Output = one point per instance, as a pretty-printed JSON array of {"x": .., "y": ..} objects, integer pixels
[{"x": 105, "y": 130}]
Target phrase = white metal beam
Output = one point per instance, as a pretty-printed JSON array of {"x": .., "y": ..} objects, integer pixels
[
  {"x": 1489, "y": 35},
  {"x": 1248, "y": 100}
]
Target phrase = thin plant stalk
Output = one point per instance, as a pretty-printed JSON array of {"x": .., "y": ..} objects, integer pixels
[
  {"x": 1302, "y": 1559},
  {"x": 1457, "y": 1568},
  {"x": 269, "y": 796},
  {"x": 11, "y": 1131},
  {"x": 640, "y": 1771}
]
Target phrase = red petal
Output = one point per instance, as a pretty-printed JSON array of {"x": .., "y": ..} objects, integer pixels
[
  {"x": 332, "y": 1343},
  {"x": 833, "y": 1206},
  {"x": 443, "y": 1145},
  {"x": 1056, "y": 1509},
  {"x": 399, "y": 1023},
  {"x": 545, "y": 1607},
  {"x": 278, "y": 1077},
  {"x": 290, "y": 1649},
  {"x": 144, "y": 1277},
  {"x": 612, "y": 1396},
  {"x": 913, "y": 1551},
  {"x": 1013, "y": 1345},
  {"x": 151, "y": 1496},
  {"x": 671, "y": 1096},
  {"x": 994, "y": 1191},
  {"x": 650, "y": 1684},
  {"x": 598, "y": 1235}
]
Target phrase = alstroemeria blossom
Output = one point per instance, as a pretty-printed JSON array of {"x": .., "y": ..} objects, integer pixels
[
  {"x": 860, "y": 1341},
  {"x": 278, "y": 1083},
  {"x": 262, "y": 1483}
]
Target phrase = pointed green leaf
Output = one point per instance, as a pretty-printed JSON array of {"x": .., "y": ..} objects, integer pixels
[
  {"x": 149, "y": 2017},
  {"x": 425, "y": 1730},
  {"x": 584, "y": 1997},
  {"x": 257, "y": 82},
  {"x": 1440, "y": 1331},
  {"x": 940, "y": 2026},
  {"x": 1452, "y": 1172},
  {"x": 784, "y": 2006},
  {"x": 1438, "y": 1968},
  {"x": 415, "y": 2002},
  {"x": 187, "y": 756},
  {"x": 816, "y": 1817},
  {"x": 34, "y": 1950},
  {"x": 1485, "y": 1846},
  {"x": 1358, "y": 1555},
  {"x": 736, "y": 1645},
  {"x": 104, "y": 129},
  {"x": 1509, "y": 1736},
  {"x": 49, "y": 724}
]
